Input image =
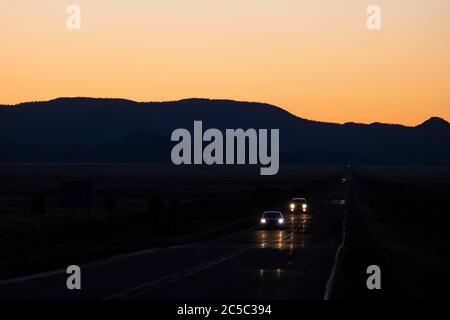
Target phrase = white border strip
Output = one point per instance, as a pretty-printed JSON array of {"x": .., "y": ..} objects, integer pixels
[{"x": 337, "y": 261}]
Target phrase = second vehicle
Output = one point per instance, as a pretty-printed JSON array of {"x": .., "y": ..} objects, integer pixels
[{"x": 298, "y": 205}]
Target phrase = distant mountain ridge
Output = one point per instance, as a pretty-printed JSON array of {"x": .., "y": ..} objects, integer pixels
[{"x": 120, "y": 130}]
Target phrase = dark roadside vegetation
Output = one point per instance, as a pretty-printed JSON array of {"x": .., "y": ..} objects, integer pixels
[
  {"x": 134, "y": 207},
  {"x": 415, "y": 202},
  {"x": 401, "y": 225}
]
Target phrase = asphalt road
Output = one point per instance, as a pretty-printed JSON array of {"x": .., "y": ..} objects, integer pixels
[{"x": 298, "y": 262}]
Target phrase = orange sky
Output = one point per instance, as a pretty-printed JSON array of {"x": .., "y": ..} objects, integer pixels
[{"x": 314, "y": 58}]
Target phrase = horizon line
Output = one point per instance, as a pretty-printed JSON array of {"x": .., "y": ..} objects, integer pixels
[{"x": 220, "y": 99}]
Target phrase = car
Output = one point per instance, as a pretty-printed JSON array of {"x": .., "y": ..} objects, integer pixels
[
  {"x": 272, "y": 219},
  {"x": 298, "y": 205}
]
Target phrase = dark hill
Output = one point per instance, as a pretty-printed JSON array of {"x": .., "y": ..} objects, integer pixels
[{"x": 118, "y": 130}]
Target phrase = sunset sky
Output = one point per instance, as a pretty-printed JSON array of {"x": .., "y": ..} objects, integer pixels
[{"x": 314, "y": 58}]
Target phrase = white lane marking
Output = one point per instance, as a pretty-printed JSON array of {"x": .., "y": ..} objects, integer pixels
[
  {"x": 339, "y": 202},
  {"x": 31, "y": 277},
  {"x": 85, "y": 265},
  {"x": 171, "y": 278},
  {"x": 337, "y": 261}
]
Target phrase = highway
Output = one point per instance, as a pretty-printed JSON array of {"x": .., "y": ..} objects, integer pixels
[{"x": 299, "y": 262}]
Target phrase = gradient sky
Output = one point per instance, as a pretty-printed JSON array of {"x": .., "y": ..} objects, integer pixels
[{"x": 314, "y": 58}]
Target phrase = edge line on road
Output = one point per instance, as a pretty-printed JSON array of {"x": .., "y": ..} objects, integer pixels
[{"x": 337, "y": 259}]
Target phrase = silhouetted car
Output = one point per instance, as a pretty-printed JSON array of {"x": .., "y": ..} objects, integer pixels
[
  {"x": 272, "y": 219},
  {"x": 298, "y": 205}
]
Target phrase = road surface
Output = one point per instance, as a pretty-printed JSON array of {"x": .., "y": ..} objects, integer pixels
[{"x": 304, "y": 261}]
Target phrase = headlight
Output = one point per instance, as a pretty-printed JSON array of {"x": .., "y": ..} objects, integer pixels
[
  {"x": 292, "y": 206},
  {"x": 263, "y": 220},
  {"x": 281, "y": 221},
  {"x": 305, "y": 206}
]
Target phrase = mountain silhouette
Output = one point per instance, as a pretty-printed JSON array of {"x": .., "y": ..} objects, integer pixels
[
  {"x": 434, "y": 124},
  {"x": 119, "y": 130}
]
